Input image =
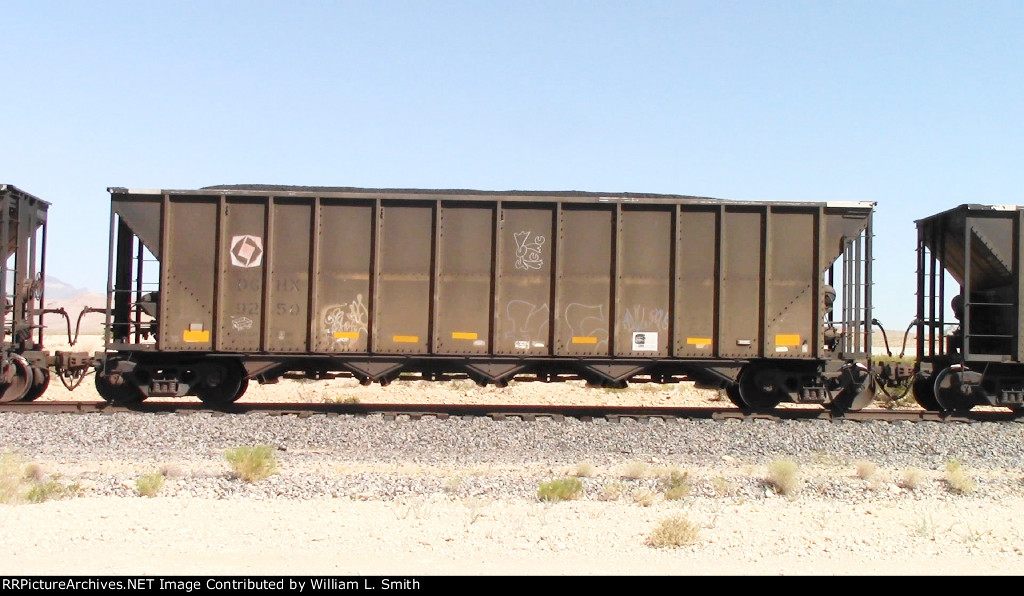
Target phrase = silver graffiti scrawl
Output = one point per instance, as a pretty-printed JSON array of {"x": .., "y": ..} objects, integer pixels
[{"x": 528, "y": 253}]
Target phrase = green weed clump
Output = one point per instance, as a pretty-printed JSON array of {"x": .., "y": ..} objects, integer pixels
[
  {"x": 676, "y": 485},
  {"x": 252, "y": 464},
  {"x": 562, "y": 489},
  {"x": 784, "y": 475},
  {"x": 50, "y": 490},
  {"x": 150, "y": 484},
  {"x": 674, "y": 532}
]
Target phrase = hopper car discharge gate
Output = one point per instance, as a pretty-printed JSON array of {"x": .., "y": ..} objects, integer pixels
[{"x": 211, "y": 288}]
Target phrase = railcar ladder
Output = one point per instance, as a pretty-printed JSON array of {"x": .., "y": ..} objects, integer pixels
[{"x": 855, "y": 342}]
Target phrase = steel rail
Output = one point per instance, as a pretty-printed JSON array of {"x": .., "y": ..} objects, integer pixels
[{"x": 505, "y": 412}]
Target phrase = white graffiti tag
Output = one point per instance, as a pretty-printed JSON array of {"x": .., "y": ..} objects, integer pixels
[
  {"x": 241, "y": 323},
  {"x": 528, "y": 254},
  {"x": 340, "y": 320}
]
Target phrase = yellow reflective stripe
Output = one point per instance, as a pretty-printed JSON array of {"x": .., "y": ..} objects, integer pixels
[
  {"x": 787, "y": 340},
  {"x": 195, "y": 337},
  {"x": 346, "y": 335},
  {"x": 584, "y": 339},
  {"x": 698, "y": 341},
  {"x": 405, "y": 339},
  {"x": 463, "y": 335}
]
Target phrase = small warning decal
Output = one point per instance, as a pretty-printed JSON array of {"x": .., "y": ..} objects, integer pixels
[
  {"x": 246, "y": 251},
  {"x": 645, "y": 341}
]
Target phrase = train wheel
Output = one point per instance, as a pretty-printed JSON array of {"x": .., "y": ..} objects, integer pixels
[
  {"x": 40, "y": 381},
  {"x": 857, "y": 389},
  {"x": 758, "y": 386},
  {"x": 949, "y": 391},
  {"x": 924, "y": 393},
  {"x": 124, "y": 393},
  {"x": 21, "y": 380},
  {"x": 242, "y": 387},
  {"x": 733, "y": 393},
  {"x": 222, "y": 385}
]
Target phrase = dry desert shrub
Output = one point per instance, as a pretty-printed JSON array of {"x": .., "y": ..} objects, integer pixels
[
  {"x": 453, "y": 484},
  {"x": 957, "y": 478},
  {"x": 613, "y": 491},
  {"x": 34, "y": 472},
  {"x": 911, "y": 479},
  {"x": 644, "y": 497},
  {"x": 341, "y": 399},
  {"x": 150, "y": 484},
  {"x": 461, "y": 385},
  {"x": 723, "y": 487},
  {"x": 12, "y": 477},
  {"x": 784, "y": 475},
  {"x": 172, "y": 471},
  {"x": 866, "y": 469},
  {"x": 673, "y": 532},
  {"x": 252, "y": 464},
  {"x": 476, "y": 506},
  {"x": 924, "y": 527},
  {"x": 584, "y": 470},
  {"x": 22, "y": 482},
  {"x": 634, "y": 470},
  {"x": 676, "y": 485}
]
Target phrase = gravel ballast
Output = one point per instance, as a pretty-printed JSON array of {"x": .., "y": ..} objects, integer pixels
[{"x": 459, "y": 496}]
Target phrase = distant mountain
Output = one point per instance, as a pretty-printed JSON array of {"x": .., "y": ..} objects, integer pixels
[
  {"x": 58, "y": 290},
  {"x": 73, "y": 300}
]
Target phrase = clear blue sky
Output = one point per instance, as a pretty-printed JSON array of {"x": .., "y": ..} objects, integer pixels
[{"x": 918, "y": 106}]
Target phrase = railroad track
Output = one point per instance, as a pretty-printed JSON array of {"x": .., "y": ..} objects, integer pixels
[{"x": 499, "y": 412}]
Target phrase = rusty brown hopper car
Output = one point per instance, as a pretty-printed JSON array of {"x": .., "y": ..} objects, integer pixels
[
  {"x": 969, "y": 322},
  {"x": 23, "y": 365},
  {"x": 213, "y": 287}
]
